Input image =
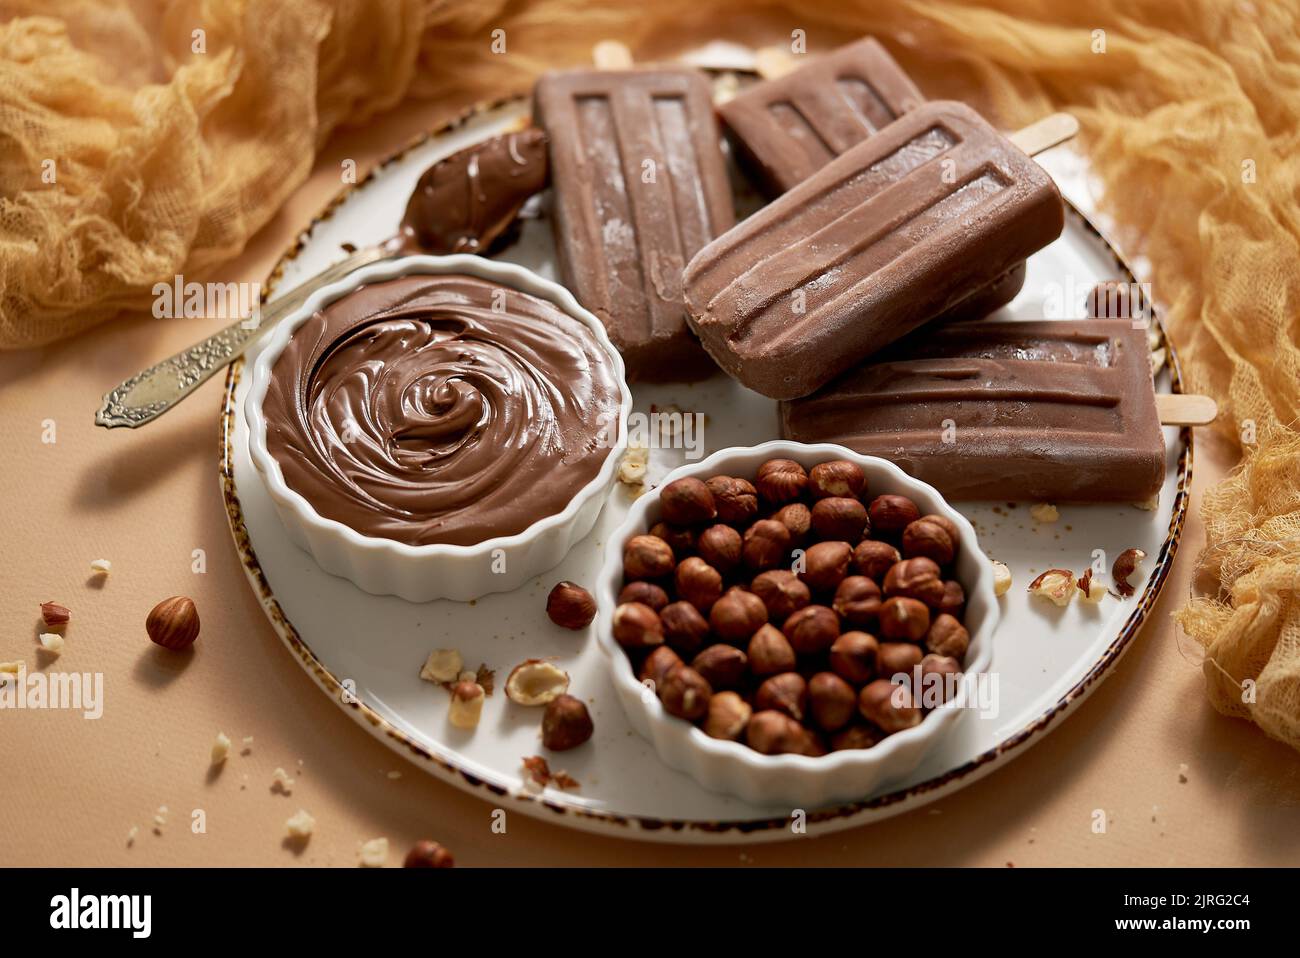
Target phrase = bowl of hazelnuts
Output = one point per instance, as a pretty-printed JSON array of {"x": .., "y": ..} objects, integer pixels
[{"x": 795, "y": 624}]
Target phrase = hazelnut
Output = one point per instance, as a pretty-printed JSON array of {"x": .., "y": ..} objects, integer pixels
[
  {"x": 427, "y": 854},
  {"x": 1001, "y": 578},
  {"x": 855, "y": 657},
  {"x": 54, "y": 615},
  {"x": 948, "y": 637},
  {"x": 825, "y": 565},
  {"x": 566, "y": 724},
  {"x": 812, "y": 629},
  {"x": 1125, "y": 565},
  {"x": 647, "y": 557},
  {"x": 916, "y": 579},
  {"x": 698, "y": 583},
  {"x": 831, "y": 700},
  {"x": 466, "y": 704},
  {"x": 684, "y": 627},
  {"x": 727, "y": 717},
  {"x": 782, "y": 592},
  {"x": 954, "y": 599},
  {"x": 679, "y": 538},
  {"x": 658, "y": 662},
  {"x": 797, "y": 518},
  {"x": 780, "y": 481},
  {"x": 770, "y": 652},
  {"x": 839, "y": 477},
  {"x": 857, "y": 600},
  {"x": 873, "y": 559},
  {"x": 737, "y": 615},
  {"x": 637, "y": 626},
  {"x": 904, "y": 619},
  {"x": 775, "y": 733},
  {"x": 736, "y": 499},
  {"x": 766, "y": 544},
  {"x": 719, "y": 546},
  {"x": 570, "y": 606},
  {"x": 948, "y": 525},
  {"x": 647, "y": 593},
  {"x": 890, "y": 707},
  {"x": 926, "y": 537},
  {"x": 685, "y": 693},
  {"x": 855, "y": 736},
  {"x": 536, "y": 682},
  {"x": 836, "y": 517},
  {"x": 896, "y": 657},
  {"x": 892, "y": 514},
  {"x": 686, "y": 501},
  {"x": 173, "y": 623},
  {"x": 723, "y": 666},
  {"x": 940, "y": 666},
  {"x": 1056, "y": 585},
  {"x": 786, "y": 692}
]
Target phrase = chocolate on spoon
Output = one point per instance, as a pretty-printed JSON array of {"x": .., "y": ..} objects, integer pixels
[{"x": 467, "y": 202}]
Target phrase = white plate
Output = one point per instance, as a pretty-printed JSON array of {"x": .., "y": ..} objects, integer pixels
[{"x": 366, "y": 651}]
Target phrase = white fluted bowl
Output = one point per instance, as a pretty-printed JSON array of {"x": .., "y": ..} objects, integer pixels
[
  {"x": 796, "y": 781},
  {"x": 421, "y": 573}
]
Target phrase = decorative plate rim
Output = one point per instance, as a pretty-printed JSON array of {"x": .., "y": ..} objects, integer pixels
[{"x": 649, "y": 827}]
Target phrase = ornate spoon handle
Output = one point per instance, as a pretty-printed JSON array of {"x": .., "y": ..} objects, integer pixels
[{"x": 150, "y": 393}]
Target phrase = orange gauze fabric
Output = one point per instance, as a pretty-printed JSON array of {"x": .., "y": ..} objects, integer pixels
[{"x": 166, "y": 160}]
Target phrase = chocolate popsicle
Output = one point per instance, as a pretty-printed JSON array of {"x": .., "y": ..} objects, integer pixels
[
  {"x": 1058, "y": 410},
  {"x": 887, "y": 236},
  {"x": 640, "y": 188},
  {"x": 787, "y": 128}
]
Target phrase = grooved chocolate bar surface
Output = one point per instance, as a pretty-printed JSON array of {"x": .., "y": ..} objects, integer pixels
[
  {"x": 1052, "y": 411},
  {"x": 887, "y": 236},
  {"x": 640, "y": 188},
  {"x": 787, "y": 128}
]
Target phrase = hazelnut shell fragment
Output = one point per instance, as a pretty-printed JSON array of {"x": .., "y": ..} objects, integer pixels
[{"x": 536, "y": 682}]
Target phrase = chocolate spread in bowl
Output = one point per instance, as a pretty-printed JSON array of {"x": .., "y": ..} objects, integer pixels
[{"x": 440, "y": 409}]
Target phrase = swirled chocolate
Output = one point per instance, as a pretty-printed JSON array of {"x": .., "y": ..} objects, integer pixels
[{"x": 441, "y": 409}]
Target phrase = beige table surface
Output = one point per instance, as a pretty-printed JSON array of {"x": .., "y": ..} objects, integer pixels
[{"x": 71, "y": 789}]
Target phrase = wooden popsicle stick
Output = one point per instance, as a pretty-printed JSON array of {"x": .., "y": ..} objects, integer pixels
[
  {"x": 611, "y": 55},
  {"x": 1046, "y": 133},
  {"x": 773, "y": 62},
  {"x": 1179, "y": 409}
]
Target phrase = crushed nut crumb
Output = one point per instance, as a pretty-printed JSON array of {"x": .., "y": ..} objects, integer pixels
[
  {"x": 300, "y": 825},
  {"x": 52, "y": 643},
  {"x": 1044, "y": 512},
  {"x": 280, "y": 781},
  {"x": 442, "y": 665},
  {"x": 374, "y": 853},
  {"x": 220, "y": 748},
  {"x": 1001, "y": 577},
  {"x": 101, "y": 567},
  {"x": 1056, "y": 585}
]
